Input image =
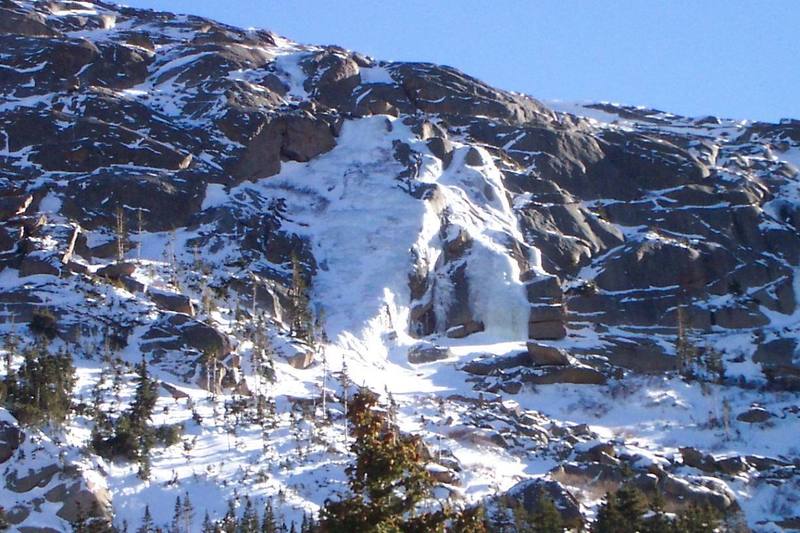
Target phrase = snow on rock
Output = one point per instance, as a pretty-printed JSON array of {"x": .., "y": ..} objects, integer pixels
[{"x": 438, "y": 223}]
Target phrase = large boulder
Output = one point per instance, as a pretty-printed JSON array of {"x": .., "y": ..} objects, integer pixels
[
  {"x": 30, "y": 24},
  {"x": 531, "y": 492},
  {"x": 33, "y": 478},
  {"x": 754, "y": 415},
  {"x": 427, "y": 353},
  {"x": 153, "y": 192},
  {"x": 171, "y": 301},
  {"x": 547, "y": 322},
  {"x": 14, "y": 204},
  {"x": 543, "y": 355},
  {"x": 10, "y": 439},
  {"x": 85, "y": 499},
  {"x": 292, "y": 137},
  {"x": 116, "y": 271},
  {"x": 181, "y": 332},
  {"x": 777, "y": 352}
]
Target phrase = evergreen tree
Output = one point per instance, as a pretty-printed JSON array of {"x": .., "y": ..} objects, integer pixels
[
  {"x": 41, "y": 391},
  {"x": 229, "y": 521},
  {"x": 268, "y": 524},
  {"x": 302, "y": 323},
  {"x": 388, "y": 480},
  {"x": 499, "y": 519},
  {"x": 79, "y": 525},
  {"x": 177, "y": 514},
  {"x": 187, "y": 513},
  {"x": 208, "y": 526},
  {"x": 132, "y": 437},
  {"x": 471, "y": 520},
  {"x": 632, "y": 505},
  {"x": 546, "y": 518},
  {"x": 145, "y": 396},
  {"x": 609, "y": 518},
  {"x": 249, "y": 521},
  {"x": 684, "y": 347},
  {"x": 148, "y": 526},
  {"x": 658, "y": 522},
  {"x": 697, "y": 519}
]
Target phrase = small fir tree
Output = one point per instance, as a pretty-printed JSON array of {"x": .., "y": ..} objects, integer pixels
[{"x": 388, "y": 480}]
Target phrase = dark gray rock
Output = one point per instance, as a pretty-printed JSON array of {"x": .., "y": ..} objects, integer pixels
[
  {"x": 560, "y": 374},
  {"x": 34, "y": 478},
  {"x": 464, "y": 330},
  {"x": 10, "y": 439},
  {"x": 491, "y": 364},
  {"x": 754, "y": 415},
  {"x": 18, "y": 513},
  {"x": 181, "y": 332},
  {"x": 546, "y": 289},
  {"x": 777, "y": 352},
  {"x": 294, "y": 137},
  {"x": 14, "y": 205},
  {"x": 427, "y": 353},
  {"x": 38, "y": 264},
  {"x": 444, "y": 90},
  {"x": 117, "y": 271},
  {"x": 171, "y": 301}
]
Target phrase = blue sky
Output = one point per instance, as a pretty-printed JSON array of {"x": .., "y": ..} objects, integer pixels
[{"x": 731, "y": 58}]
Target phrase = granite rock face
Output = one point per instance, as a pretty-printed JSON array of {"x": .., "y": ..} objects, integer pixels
[{"x": 169, "y": 185}]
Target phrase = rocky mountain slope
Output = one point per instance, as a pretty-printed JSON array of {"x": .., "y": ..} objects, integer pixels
[{"x": 557, "y": 297}]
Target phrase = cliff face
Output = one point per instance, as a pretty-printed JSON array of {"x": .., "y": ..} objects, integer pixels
[{"x": 524, "y": 278}]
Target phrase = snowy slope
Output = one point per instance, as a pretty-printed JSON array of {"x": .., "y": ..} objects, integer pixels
[{"x": 538, "y": 256}]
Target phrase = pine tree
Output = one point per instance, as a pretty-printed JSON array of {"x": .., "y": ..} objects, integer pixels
[
  {"x": 714, "y": 364},
  {"x": 177, "y": 522},
  {"x": 229, "y": 521},
  {"x": 471, "y": 520},
  {"x": 120, "y": 231},
  {"x": 500, "y": 520},
  {"x": 300, "y": 308},
  {"x": 145, "y": 396},
  {"x": 145, "y": 468},
  {"x": 546, "y": 518},
  {"x": 141, "y": 410},
  {"x": 697, "y": 519},
  {"x": 208, "y": 526},
  {"x": 609, "y": 518},
  {"x": 268, "y": 524},
  {"x": 387, "y": 481},
  {"x": 658, "y": 522},
  {"x": 344, "y": 383},
  {"x": 79, "y": 525},
  {"x": 249, "y": 521},
  {"x": 148, "y": 526},
  {"x": 632, "y": 505},
  {"x": 187, "y": 513},
  {"x": 41, "y": 391}
]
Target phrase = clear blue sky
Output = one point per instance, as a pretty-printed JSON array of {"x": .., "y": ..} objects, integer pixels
[{"x": 731, "y": 58}]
